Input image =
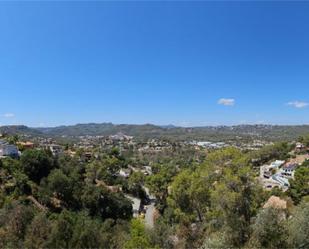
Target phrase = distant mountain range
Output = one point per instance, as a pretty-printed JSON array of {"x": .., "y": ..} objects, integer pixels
[{"x": 209, "y": 133}]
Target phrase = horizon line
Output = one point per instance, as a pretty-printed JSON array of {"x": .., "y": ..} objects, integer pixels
[{"x": 158, "y": 125}]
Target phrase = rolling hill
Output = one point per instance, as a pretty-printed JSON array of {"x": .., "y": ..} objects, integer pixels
[{"x": 211, "y": 133}]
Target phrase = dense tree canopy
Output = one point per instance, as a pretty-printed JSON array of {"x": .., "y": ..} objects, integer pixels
[
  {"x": 210, "y": 201},
  {"x": 300, "y": 184},
  {"x": 36, "y": 164},
  {"x": 269, "y": 230}
]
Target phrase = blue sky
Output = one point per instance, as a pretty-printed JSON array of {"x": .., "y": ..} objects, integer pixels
[{"x": 182, "y": 63}]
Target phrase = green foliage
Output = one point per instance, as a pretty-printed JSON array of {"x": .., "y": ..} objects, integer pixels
[
  {"x": 235, "y": 201},
  {"x": 135, "y": 184},
  {"x": 221, "y": 194},
  {"x": 189, "y": 196},
  {"x": 158, "y": 183},
  {"x": 100, "y": 202},
  {"x": 104, "y": 169},
  {"x": 13, "y": 139},
  {"x": 36, "y": 164},
  {"x": 299, "y": 186},
  {"x": 115, "y": 152},
  {"x": 269, "y": 230},
  {"x": 97, "y": 171},
  {"x": 139, "y": 238},
  {"x": 11, "y": 165},
  {"x": 267, "y": 132},
  {"x": 228, "y": 157},
  {"x": 298, "y": 227},
  {"x": 215, "y": 241},
  {"x": 37, "y": 232},
  {"x": 62, "y": 230},
  {"x": 22, "y": 185},
  {"x": 304, "y": 140},
  {"x": 211, "y": 204},
  {"x": 160, "y": 235},
  {"x": 64, "y": 188},
  {"x": 85, "y": 233},
  {"x": 14, "y": 219},
  {"x": 272, "y": 152}
]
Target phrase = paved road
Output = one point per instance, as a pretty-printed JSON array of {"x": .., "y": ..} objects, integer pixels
[
  {"x": 150, "y": 209},
  {"x": 148, "y": 193},
  {"x": 149, "y": 215}
]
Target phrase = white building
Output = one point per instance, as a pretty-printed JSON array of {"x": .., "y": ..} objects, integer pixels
[
  {"x": 55, "y": 149},
  {"x": 276, "y": 164},
  {"x": 124, "y": 172},
  {"x": 8, "y": 150},
  {"x": 288, "y": 170}
]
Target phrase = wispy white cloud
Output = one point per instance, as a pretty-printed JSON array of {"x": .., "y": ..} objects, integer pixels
[
  {"x": 226, "y": 102},
  {"x": 298, "y": 104},
  {"x": 9, "y": 115}
]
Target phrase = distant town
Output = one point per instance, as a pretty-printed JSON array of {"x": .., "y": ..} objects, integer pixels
[{"x": 275, "y": 174}]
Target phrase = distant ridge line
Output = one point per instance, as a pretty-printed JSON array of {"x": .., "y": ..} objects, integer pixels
[{"x": 205, "y": 133}]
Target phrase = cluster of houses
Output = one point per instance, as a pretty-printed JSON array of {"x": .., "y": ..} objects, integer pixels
[
  {"x": 273, "y": 174},
  {"x": 301, "y": 148},
  {"x": 279, "y": 173},
  {"x": 250, "y": 145},
  {"x": 120, "y": 137},
  {"x": 89, "y": 144},
  {"x": 11, "y": 150},
  {"x": 124, "y": 143},
  {"x": 209, "y": 145},
  {"x": 126, "y": 172},
  {"x": 127, "y": 143},
  {"x": 14, "y": 151}
]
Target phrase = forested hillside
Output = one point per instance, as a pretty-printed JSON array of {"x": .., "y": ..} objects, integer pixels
[
  {"x": 74, "y": 202},
  {"x": 209, "y": 133}
]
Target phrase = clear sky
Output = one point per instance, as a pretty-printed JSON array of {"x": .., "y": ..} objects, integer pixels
[{"x": 182, "y": 63}]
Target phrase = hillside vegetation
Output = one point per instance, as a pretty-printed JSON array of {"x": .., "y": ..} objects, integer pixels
[
  {"x": 70, "y": 202},
  {"x": 209, "y": 133}
]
